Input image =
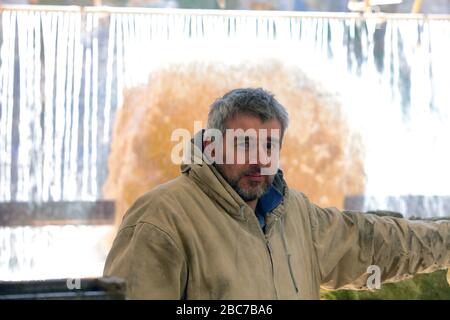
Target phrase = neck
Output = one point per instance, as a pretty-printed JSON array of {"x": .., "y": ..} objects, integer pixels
[{"x": 252, "y": 204}]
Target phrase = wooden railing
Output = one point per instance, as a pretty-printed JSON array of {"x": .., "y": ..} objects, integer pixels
[{"x": 57, "y": 213}]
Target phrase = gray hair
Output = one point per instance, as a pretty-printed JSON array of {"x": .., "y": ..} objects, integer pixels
[{"x": 253, "y": 101}]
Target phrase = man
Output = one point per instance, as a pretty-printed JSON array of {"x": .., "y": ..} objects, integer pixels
[{"x": 225, "y": 230}]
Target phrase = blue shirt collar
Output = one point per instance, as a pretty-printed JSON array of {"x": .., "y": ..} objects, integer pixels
[{"x": 266, "y": 203}]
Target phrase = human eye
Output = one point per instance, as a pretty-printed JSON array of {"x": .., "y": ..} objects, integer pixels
[
  {"x": 241, "y": 143},
  {"x": 271, "y": 145}
]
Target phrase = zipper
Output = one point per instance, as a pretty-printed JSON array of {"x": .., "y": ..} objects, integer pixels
[{"x": 268, "y": 247}]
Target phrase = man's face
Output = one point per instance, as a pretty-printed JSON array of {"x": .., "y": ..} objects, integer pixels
[{"x": 245, "y": 176}]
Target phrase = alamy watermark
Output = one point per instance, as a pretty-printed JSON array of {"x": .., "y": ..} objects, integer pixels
[
  {"x": 374, "y": 280},
  {"x": 73, "y": 284},
  {"x": 251, "y": 146}
]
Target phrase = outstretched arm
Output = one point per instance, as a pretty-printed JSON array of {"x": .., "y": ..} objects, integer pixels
[{"x": 348, "y": 242}]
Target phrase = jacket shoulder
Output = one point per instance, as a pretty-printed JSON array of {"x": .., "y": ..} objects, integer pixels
[
  {"x": 299, "y": 205},
  {"x": 298, "y": 197},
  {"x": 159, "y": 202}
]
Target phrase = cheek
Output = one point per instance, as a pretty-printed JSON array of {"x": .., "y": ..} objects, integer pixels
[
  {"x": 237, "y": 172},
  {"x": 231, "y": 171},
  {"x": 241, "y": 169}
]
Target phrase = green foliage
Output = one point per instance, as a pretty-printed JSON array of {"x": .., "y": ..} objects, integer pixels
[{"x": 431, "y": 286}]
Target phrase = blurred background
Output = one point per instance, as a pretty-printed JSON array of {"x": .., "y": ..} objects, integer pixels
[{"x": 90, "y": 92}]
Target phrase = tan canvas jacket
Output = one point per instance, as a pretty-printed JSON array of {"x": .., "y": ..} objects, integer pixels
[{"x": 195, "y": 238}]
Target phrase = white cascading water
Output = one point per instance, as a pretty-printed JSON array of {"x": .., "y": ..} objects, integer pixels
[{"x": 62, "y": 74}]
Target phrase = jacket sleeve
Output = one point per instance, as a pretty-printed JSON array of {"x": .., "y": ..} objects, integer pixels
[
  {"x": 347, "y": 243},
  {"x": 149, "y": 261}
]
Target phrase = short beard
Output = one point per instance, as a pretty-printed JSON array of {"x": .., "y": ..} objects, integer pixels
[{"x": 246, "y": 196}]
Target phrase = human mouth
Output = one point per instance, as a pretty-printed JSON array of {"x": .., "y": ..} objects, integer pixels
[{"x": 255, "y": 177}]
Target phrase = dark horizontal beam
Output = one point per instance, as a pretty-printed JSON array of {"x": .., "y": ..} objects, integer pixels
[
  {"x": 57, "y": 213},
  {"x": 86, "y": 288}
]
